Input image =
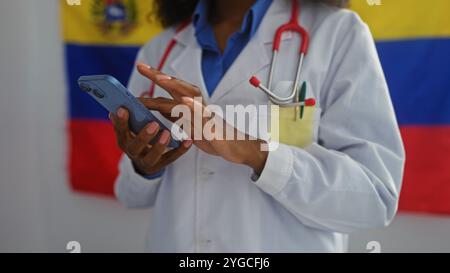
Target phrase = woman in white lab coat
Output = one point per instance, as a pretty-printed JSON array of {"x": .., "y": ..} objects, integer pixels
[{"x": 337, "y": 170}]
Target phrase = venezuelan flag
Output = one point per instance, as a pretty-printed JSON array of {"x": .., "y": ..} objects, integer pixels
[
  {"x": 101, "y": 37},
  {"x": 413, "y": 41}
]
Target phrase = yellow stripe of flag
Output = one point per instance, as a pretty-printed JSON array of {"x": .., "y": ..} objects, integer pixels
[
  {"x": 404, "y": 19},
  {"x": 393, "y": 19},
  {"x": 88, "y": 23}
]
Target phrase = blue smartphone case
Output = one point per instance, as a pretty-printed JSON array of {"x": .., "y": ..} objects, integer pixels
[{"x": 112, "y": 95}]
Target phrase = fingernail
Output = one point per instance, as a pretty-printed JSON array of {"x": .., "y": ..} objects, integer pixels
[
  {"x": 152, "y": 128},
  {"x": 187, "y": 143},
  {"x": 187, "y": 99},
  {"x": 146, "y": 66},
  {"x": 162, "y": 77},
  {"x": 121, "y": 113},
  {"x": 110, "y": 115},
  {"x": 164, "y": 139}
]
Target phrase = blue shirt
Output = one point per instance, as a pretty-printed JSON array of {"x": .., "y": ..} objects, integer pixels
[{"x": 214, "y": 64}]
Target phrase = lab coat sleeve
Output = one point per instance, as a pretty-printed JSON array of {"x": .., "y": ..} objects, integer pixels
[
  {"x": 351, "y": 178},
  {"x": 132, "y": 189}
]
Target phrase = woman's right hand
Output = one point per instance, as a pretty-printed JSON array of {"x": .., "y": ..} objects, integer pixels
[{"x": 147, "y": 159}]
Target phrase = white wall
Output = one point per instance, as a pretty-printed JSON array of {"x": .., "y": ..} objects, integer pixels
[{"x": 38, "y": 211}]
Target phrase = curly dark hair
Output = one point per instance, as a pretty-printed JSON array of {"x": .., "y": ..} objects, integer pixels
[{"x": 168, "y": 16}]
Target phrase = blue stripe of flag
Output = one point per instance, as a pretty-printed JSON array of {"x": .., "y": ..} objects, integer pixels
[
  {"x": 90, "y": 60},
  {"x": 418, "y": 75},
  {"x": 417, "y": 71}
]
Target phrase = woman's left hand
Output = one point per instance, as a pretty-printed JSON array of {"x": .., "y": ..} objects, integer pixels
[{"x": 246, "y": 151}]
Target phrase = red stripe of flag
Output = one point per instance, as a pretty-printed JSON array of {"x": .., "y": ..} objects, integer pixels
[
  {"x": 426, "y": 184},
  {"x": 94, "y": 156},
  {"x": 426, "y": 187}
]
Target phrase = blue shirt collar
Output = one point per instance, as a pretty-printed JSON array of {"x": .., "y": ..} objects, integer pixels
[{"x": 250, "y": 23}]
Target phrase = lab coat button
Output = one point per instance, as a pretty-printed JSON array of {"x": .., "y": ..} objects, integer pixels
[
  {"x": 207, "y": 172},
  {"x": 204, "y": 241}
]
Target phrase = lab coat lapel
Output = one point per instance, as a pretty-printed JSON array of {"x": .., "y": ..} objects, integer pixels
[
  {"x": 255, "y": 56},
  {"x": 252, "y": 59},
  {"x": 187, "y": 64}
]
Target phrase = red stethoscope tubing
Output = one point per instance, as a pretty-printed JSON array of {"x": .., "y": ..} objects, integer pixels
[{"x": 294, "y": 26}]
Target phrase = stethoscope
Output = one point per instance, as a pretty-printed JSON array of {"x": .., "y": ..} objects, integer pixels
[
  {"x": 291, "y": 100},
  {"x": 293, "y": 25}
]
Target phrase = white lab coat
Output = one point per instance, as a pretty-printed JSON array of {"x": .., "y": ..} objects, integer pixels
[{"x": 308, "y": 199}]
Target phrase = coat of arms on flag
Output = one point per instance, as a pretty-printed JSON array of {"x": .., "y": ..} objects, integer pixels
[{"x": 115, "y": 17}]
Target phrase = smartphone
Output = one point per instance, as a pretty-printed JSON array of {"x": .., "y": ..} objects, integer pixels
[{"x": 112, "y": 95}]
